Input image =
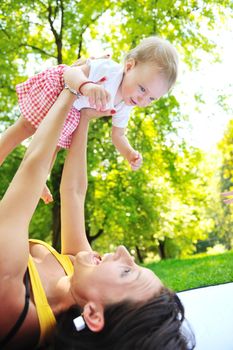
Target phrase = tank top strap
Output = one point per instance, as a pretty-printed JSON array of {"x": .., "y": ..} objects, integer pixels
[
  {"x": 46, "y": 317},
  {"x": 64, "y": 260},
  {"x": 45, "y": 314}
]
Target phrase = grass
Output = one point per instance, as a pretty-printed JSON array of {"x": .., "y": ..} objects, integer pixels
[{"x": 198, "y": 271}]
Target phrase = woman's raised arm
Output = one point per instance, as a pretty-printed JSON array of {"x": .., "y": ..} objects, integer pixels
[
  {"x": 73, "y": 188},
  {"x": 20, "y": 200},
  {"x": 73, "y": 191}
]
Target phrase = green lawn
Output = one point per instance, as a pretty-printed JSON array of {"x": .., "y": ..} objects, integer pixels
[{"x": 181, "y": 274}]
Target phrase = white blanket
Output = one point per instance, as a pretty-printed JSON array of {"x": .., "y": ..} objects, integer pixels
[{"x": 209, "y": 311}]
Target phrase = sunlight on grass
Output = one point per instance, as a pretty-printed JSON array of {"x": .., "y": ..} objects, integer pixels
[{"x": 195, "y": 272}]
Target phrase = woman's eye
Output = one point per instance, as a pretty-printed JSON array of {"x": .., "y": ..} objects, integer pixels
[
  {"x": 142, "y": 88},
  {"x": 125, "y": 272}
]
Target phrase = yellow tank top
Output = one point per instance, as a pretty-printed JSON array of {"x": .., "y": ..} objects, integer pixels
[{"x": 45, "y": 314}]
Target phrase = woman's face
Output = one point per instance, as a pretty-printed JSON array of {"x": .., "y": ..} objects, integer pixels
[{"x": 112, "y": 279}]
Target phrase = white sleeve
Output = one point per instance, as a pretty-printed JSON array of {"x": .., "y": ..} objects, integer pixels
[
  {"x": 100, "y": 68},
  {"x": 121, "y": 118}
]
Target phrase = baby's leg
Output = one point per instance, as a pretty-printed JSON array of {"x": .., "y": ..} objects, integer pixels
[
  {"x": 46, "y": 195},
  {"x": 14, "y": 135}
]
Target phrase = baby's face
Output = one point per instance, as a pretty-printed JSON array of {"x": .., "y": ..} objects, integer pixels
[{"x": 142, "y": 84}]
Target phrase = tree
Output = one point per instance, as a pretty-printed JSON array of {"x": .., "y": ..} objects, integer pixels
[
  {"x": 45, "y": 30},
  {"x": 33, "y": 31},
  {"x": 224, "y": 230}
]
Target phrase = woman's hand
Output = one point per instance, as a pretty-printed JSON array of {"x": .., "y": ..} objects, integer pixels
[{"x": 89, "y": 113}]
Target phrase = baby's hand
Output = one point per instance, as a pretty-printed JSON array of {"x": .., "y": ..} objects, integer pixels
[
  {"x": 90, "y": 113},
  {"x": 97, "y": 95},
  {"x": 135, "y": 160}
]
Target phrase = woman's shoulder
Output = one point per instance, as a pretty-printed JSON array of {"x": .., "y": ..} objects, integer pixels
[
  {"x": 38, "y": 249},
  {"x": 49, "y": 261}
]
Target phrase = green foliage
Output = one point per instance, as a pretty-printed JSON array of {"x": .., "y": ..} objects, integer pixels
[
  {"x": 41, "y": 225},
  {"x": 226, "y": 175},
  {"x": 166, "y": 203},
  {"x": 9, "y": 167}
]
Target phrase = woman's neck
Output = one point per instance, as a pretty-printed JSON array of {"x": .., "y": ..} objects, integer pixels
[{"x": 59, "y": 296}]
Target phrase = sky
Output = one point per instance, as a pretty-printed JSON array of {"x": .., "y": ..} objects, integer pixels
[{"x": 207, "y": 125}]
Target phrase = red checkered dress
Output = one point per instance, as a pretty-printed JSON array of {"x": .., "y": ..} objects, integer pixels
[{"x": 37, "y": 95}]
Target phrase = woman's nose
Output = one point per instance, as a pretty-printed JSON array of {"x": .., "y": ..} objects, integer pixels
[{"x": 122, "y": 253}]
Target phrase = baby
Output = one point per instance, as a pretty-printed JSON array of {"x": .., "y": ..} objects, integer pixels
[{"x": 149, "y": 71}]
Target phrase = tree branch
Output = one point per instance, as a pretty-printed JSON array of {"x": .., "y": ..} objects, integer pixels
[
  {"x": 37, "y": 49},
  {"x": 85, "y": 28},
  {"x": 62, "y": 19},
  {"x": 99, "y": 233},
  {"x": 57, "y": 36},
  {"x": 5, "y": 32}
]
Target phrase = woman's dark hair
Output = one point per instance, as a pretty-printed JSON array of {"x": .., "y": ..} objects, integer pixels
[{"x": 156, "y": 324}]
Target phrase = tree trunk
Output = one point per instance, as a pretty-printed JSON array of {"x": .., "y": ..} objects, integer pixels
[
  {"x": 56, "y": 242},
  {"x": 55, "y": 183},
  {"x": 139, "y": 255},
  {"x": 161, "y": 248},
  {"x": 56, "y": 174}
]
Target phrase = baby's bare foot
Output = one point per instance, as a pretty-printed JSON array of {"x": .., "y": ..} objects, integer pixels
[{"x": 46, "y": 195}]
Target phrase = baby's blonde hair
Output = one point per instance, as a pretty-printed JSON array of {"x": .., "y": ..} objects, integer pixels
[{"x": 160, "y": 53}]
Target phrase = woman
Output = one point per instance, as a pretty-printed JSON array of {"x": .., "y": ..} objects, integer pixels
[{"x": 100, "y": 287}]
